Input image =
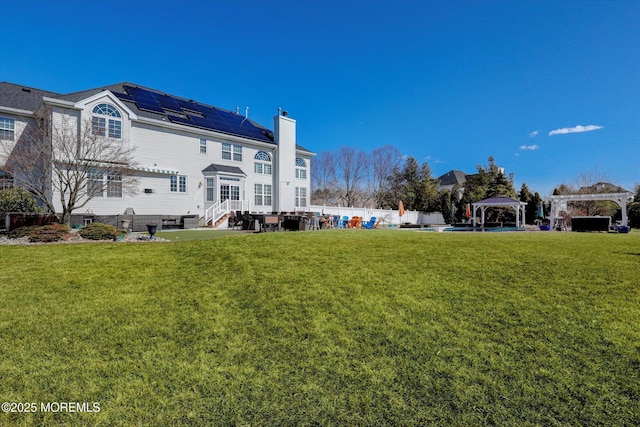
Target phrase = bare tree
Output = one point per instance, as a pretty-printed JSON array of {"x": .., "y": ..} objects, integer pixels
[
  {"x": 385, "y": 161},
  {"x": 323, "y": 179},
  {"x": 352, "y": 167},
  {"x": 591, "y": 182},
  {"x": 71, "y": 160}
]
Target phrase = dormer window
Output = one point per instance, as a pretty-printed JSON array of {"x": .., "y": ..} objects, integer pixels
[{"x": 106, "y": 121}]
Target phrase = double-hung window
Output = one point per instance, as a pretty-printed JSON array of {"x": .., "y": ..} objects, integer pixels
[
  {"x": 262, "y": 163},
  {"x": 203, "y": 146},
  {"x": 114, "y": 184},
  {"x": 211, "y": 190},
  {"x": 237, "y": 153},
  {"x": 178, "y": 183},
  {"x": 106, "y": 121},
  {"x": 226, "y": 151},
  {"x": 301, "y": 197},
  {"x": 6, "y": 180},
  {"x": 95, "y": 183},
  {"x": 7, "y": 128},
  {"x": 231, "y": 152},
  {"x": 262, "y": 194},
  {"x": 301, "y": 168}
]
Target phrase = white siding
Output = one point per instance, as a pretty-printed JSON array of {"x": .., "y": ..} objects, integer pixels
[{"x": 169, "y": 147}]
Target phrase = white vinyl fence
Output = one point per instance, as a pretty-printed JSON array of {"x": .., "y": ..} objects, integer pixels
[{"x": 388, "y": 216}]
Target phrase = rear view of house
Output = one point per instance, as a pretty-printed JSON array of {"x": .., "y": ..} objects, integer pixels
[{"x": 188, "y": 158}]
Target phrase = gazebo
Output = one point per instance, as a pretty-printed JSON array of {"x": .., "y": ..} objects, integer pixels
[
  {"x": 558, "y": 200},
  {"x": 494, "y": 202}
]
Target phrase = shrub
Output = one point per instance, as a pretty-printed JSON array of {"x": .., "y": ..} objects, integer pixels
[
  {"x": 99, "y": 231},
  {"x": 22, "y": 232},
  {"x": 634, "y": 214},
  {"x": 48, "y": 233},
  {"x": 16, "y": 200}
]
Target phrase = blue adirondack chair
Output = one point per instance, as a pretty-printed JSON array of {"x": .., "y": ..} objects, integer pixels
[{"x": 369, "y": 224}]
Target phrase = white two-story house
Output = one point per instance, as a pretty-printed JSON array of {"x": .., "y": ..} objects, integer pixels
[{"x": 190, "y": 158}]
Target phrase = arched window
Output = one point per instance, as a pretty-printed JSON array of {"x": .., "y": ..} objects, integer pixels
[
  {"x": 106, "y": 121},
  {"x": 263, "y": 156},
  {"x": 262, "y": 163},
  {"x": 301, "y": 168}
]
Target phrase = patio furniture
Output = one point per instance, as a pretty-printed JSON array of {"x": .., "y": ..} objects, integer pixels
[
  {"x": 271, "y": 223},
  {"x": 235, "y": 220},
  {"x": 590, "y": 223},
  {"x": 326, "y": 222},
  {"x": 314, "y": 222},
  {"x": 247, "y": 223},
  {"x": 369, "y": 225},
  {"x": 355, "y": 222},
  {"x": 293, "y": 223}
]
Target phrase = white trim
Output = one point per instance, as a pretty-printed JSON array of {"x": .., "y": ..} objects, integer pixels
[
  {"x": 59, "y": 102},
  {"x": 106, "y": 93},
  {"x": 154, "y": 169},
  {"x": 16, "y": 111},
  {"x": 620, "y": 198},
  {"x": 517, "y": 205}
]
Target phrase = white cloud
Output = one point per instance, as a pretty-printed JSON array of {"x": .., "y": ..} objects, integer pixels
[
  {"x": 529, "y": 147},
  {"x": 534, "y": 134},
  {"x": 576, "y": 129}
]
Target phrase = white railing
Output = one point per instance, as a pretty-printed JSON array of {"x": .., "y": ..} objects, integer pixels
[
  {"x": 216, "y": 211},
  {"x": 223, "y": 207}
]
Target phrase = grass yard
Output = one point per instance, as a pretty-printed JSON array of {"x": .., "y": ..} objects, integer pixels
[
  {"x": 343, "y": 327},
  {"x": 195, "y": 234}
]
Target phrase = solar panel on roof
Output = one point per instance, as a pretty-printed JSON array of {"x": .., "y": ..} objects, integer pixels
[
  {"x": 180, "y": 120},
  {"x": 142, "y": 95},
  {"x": 212, "y": 118},
  {"x": 169, "y": 103},
  {"x": 187, "y": 105},
  {"x": 201, "y": 122},
  {"x": 123, "y": 96},
  {"x": 154, "y": 108}
]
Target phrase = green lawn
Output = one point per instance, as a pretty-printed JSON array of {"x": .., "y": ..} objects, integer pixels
[
  {"x": 343, "y": 327},
  {"x": 196, "y": 234}
]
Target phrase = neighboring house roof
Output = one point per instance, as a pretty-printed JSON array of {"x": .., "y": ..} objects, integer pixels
[
  {"x": 223, "y": 169},
  {"x": 149, "y": 103},
  {"x": 602, "y": 187},
  {"x": 452, "y": 177}
]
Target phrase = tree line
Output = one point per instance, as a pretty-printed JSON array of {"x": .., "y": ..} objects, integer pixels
[{"x": 382, "y": 178}]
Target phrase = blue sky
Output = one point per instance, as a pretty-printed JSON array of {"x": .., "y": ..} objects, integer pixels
[{"x": 551, "y": 89}]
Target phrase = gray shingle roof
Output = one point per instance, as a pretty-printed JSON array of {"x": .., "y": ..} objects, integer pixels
[
  {"x": 26, "y": 98},
  {"x": 453, "y": 177},
  {"x": 224, "y": 169},
  {"x": 22, "y": 97}
]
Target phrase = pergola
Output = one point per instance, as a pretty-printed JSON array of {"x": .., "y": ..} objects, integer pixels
[
  {"x": 494, "y": 202},
  {"x": 620, "y": 198}
]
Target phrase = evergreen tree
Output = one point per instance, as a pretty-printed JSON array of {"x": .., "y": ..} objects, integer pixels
[
  {"x": 429, "y": 197},
  {"x": 445, "y": 205}
]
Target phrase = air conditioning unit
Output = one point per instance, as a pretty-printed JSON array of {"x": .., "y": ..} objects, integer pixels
[{"x": 149, "y": 191}]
